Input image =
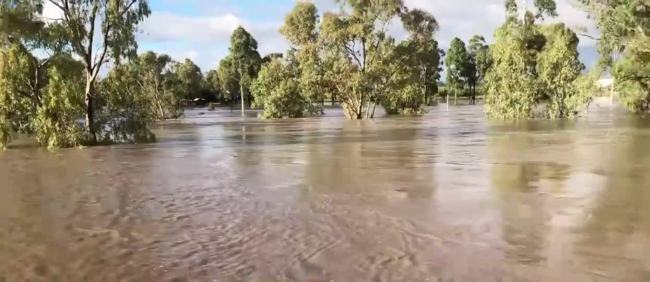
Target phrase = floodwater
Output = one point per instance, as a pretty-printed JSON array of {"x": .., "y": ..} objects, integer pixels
[{"x": 444, "y": 197}]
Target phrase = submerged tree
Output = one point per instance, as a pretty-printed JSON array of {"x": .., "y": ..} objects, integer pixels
[
  {"x": 511, "y": 86},
  {"x": 356, "y": 47},
  {"x": 558, "y": 68},
  {"x": 99, "y": 31},
  {"x": 424, "y": 50},
  {"x": 480, "y": 61},
  {"x": 212, "y": 85},
  {"x": 277, "y": 91},
  {"x": 301, "y": 29},
  {"x": 241, "y": 66},
  {"x": 23, "y": 74},
  {"x": 625, "y": 33},
  {"x": 294, "y": 87},
  {"x": 61, "y": 106},
  {"x": 363, "y": 61},
  {"x": 535, "y": 69},
  {"x": 459, "y": 67},
  {"x": 151, "y": 77},
  {"x": 190, "y": 79}
]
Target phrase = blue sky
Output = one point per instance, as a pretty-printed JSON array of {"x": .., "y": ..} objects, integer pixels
[{"x": 200, "y": 29}]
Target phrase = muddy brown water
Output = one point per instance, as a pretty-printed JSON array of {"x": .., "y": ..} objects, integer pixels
[{"x": 444, "y": 197}]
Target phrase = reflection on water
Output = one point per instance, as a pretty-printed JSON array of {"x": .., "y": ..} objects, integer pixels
[{"x": 444, "y": 197}]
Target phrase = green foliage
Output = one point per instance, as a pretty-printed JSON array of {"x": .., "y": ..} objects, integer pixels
[
  {"x": 238, "y": 70},
  {"x": 558, "y": 68},
  {"x": 480, "y": 60},
  {"x": 277, "y": 90},
  {"x": 543, "y": 7},
  {"x": 535, "y": 72},
  {"x": 98, "y": 31},
  {"x": 364, "y": 65},
  {"x": 17, "y": 103},
  {"x": 57, "y": 116},
  {"x": 304, "y": 59},
  {"x": 124, "y": 110},
  {"x": 357, "y": 47},
  {"x": 620, "y": 23},
  {"x": 624, "y": 27},
  {"x": 423, "y": 53},
  {"x": 632, "y": 76},
  {"x": 156, "y": 78},
  {"x": 300, "y": 26},
  {"x": 459, "y": 68},
  {"x": 190, "y": 79},
  {"x": 229, "y": 80},
  {"x": 212, "y": 85},
  {"x": 511, "y": 89}
]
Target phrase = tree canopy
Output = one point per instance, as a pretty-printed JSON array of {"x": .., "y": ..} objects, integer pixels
[
  {"x": 99, "y": 31},
  {"x": 535, "y": 70},
  {"x": 624, "y": 27},
  {"x": 238, "y": 70}
]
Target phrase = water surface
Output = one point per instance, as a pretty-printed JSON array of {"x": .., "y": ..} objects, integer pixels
[{"x": 444, "y": 197}]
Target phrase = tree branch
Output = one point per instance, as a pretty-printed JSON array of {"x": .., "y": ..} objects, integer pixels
[{"x": 91, "y": 35}]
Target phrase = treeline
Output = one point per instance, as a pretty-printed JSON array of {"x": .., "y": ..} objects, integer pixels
[
  {"x": 350, "y": 57},
  {"x": 50, "y": 84}
]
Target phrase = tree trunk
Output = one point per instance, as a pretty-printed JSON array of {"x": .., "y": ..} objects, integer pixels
[
  {"x": 90, "y": 110},
  {"x": 426, "y": 94},
  {"x": 243, "y": 100}
]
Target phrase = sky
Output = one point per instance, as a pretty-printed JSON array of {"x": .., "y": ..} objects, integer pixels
[{"x": 200, "y": 29}]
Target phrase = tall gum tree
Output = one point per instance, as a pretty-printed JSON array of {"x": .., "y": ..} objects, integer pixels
[
  {"x": 28, "y": 45},
  {"x": 423, "y": 46},
  {"x": 242, "y": 64},
  {"x": 624, "y": 46},
  {"x": 535, "y": 70},
  {"x": 301, "y": 30},
  {"x": 358, "y": 49},
  {"x": 99, "y": 31},
  {"x": 458, "y": 66}
]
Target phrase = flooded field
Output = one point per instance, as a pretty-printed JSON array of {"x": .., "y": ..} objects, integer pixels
[{"x": 444, "y": 197}]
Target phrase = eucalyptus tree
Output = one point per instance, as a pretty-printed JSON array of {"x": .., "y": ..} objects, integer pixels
[
  {"x": 480, "y": 60},
  {"x": 228, "y": 80},
  {"x": 155, "y": 82},
  {"x": 357, "y": 47},
  {"x": 190, "y": 78},
  {"x": 558, "y": 68},
  {"x": 422, "y": 27},
  {"x": 511, "y": 86},
  {"x": 277, "y": 91},
  {"x": 212, "y": 85},
  {"x": 99, "y": 31},
  {"x": 534, "y": 67},
  {"x": 23, "y": 73},
  {"x": 38, "y": 77},
  {"x": 301, "y": 30},
  {"x": 624, "y": 27},
  {"x": 241, "y": 66},
  {"x": 459, "y": 68},
  {"x": 55, "y": 120}
]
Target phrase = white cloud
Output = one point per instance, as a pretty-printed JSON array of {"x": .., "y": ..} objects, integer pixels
[
  {"x": 166, "y": 26},
  {"x": 51, "y": 12},
  {"x": 208, "y": 36}
]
